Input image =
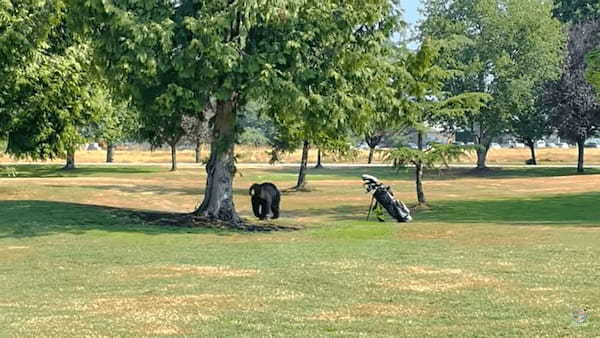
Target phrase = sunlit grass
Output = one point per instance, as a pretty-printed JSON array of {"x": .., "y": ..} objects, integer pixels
[{"x": 509, "y": 254}]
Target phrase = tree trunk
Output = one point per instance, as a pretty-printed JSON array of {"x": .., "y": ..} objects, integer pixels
[
  {"x": 70, "y": 160},
  {"x": 319, "y": 164},
  {"x": 371, "y": 151},
  {"x": 372, "y": 142},
  {"x": 218, "y": 197},
  {"x": 303, "y": 164},
  {"x": 419, "y": 172},
  {"x": 110, "y": 152},
  {"x": 173, "y": 157},
  {"x": 482, "y": 153},
  {"x": 198, "y": 149},
  {"x": 580, "y": 155},
  {"x": 531, "y": 145}
]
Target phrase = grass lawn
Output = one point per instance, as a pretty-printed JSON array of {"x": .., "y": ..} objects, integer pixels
[{"x": 511, "y": 253}]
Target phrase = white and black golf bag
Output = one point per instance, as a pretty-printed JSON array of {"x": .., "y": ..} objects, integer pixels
[{"x": 383, "y": 195}]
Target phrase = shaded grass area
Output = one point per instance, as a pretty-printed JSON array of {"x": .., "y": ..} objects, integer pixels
[
  {"x": 22, "y": 219},
  {"x": 39, "y": 171},
  {"x": 483, "y": 264}
]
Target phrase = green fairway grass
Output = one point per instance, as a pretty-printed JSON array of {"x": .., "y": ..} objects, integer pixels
[{"x": 511, "y": 252}]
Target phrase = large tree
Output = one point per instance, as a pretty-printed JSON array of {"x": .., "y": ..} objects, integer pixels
[
  {"x": 53, "y": 103},
  {"x": 575, "y": 105},
  {"x": 48, "y": 90},
  {"x": 420, "y": 88},
  {"x": 495, "y": 44},
  {"x": 234, "y": 51},
  {"x": 24, "y": 26},
  {"x": 529, "y": 120}
]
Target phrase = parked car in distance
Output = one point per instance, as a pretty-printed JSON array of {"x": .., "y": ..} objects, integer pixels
[
  {"x": 495, "y": 145},
  {"x": 563, "y": 145},
  {"x": 551, "y": 145},
  {"x": 540, "y": 144},
  {"x": 592, "y": 145}
]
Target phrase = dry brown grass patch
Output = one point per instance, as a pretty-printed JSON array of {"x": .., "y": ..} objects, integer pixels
[
  {"x": 162, "y": 315},
  {"x": 175, "y": 271},
  {"x": 345, "y": 264},
  {"x": 14, "y": 253},
  {"x": 427, "y": 279},
  {"x": 369, "y": 310}
]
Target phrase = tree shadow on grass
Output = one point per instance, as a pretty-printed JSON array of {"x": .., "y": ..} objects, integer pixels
[
  {"x": 559, "y": 210},
  {"x": 41, "y": 218},
  {"x": 49, "y": 171},
  {"x": 147, "y": 188}
]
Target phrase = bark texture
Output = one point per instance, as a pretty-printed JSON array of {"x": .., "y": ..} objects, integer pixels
[
  {"x": 531, "y": 145},
  {"x": 319, "y": 163},
  {"x": 173, "y": 157},
  {"x": 110, "y": 152},
  {"x": 198, "y": 152},
  {"x": 218, "y": 197},
  {"x": 70, "y": 165},
  {"x": 482, "y": 153},
  {"x": 419, "y": 172},
  {"x": 372, "y": 141},
  {"x": 580, "y": 154},
  {"x": 303, "y": 165}
]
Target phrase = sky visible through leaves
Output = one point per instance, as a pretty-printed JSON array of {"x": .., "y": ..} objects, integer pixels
[{"x": 411, "y": 14}]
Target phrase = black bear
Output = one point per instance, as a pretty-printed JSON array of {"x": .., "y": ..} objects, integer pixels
[{"x": 265, "y": 200}]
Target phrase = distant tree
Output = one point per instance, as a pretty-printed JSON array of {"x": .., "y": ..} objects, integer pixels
[
  {"x": 575, "y": 107},
  {"x": 373, "y": 139},
  {"x": 197, "y": 130},
  {"x": 56, "y": 98},
  {"x": 420, "y": 87},
  {"x": 163, "y": 121},
  {"x": 529, "y": 118},
  {"x": 293, "y": 133},
  {"x": 117, "y": 123},
  {"x": 494, "y": 45},
  {"x": 256, "y": 128},
  {"x": 335, "y": 92},
  {"x": 319, "y": 164},
  {"x": 24, "y": 26}
]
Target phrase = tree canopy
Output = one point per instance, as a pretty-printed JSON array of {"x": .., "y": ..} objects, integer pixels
[
  {"x": 575, "y": 11},
  {"x": 495, "y": 46},
  {"x": 24, "y": 27},
  {"x": 302, "y": 57}
]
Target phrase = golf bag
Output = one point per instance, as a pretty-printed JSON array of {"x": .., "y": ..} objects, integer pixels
[{"x": 383, "y": 195}]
